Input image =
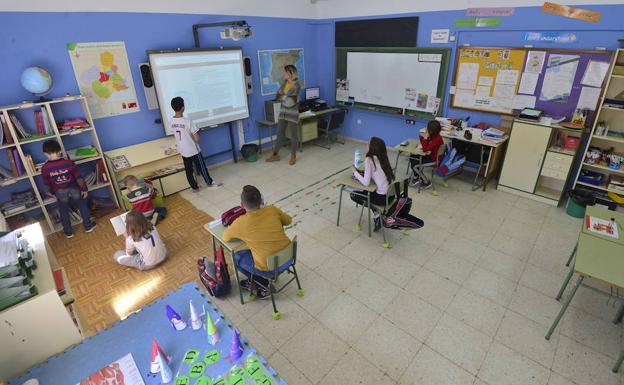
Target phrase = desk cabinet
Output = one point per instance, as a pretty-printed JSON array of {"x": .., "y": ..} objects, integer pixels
[
  {"x": 525, "y": 154},
  {"x": 536, "y": 165}
]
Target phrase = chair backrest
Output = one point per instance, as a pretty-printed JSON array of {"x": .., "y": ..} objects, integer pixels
[
  {"x": 336, "y": 119},
  {"x": 392, "y": 193},
  {"x": 284, "y": 255},
  {"x": 441, "y": 152}
]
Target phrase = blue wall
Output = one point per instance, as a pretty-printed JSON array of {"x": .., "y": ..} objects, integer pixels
[
  {"x": 510, "y": 33},
  {"x": 39, "y": 39}
]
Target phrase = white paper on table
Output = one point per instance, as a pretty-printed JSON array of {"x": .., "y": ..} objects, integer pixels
[
  {"x": 528, "y": 82},
  {"x": 8, "y": 249},
  {"x": 467, "y": 75},
  {"x": 507, "y": 77},
  {"x": 588, "y": 98},
  {"x": 483, "y": 90},
  {"x": 506, "y": 91},
  {"x": 558, "y": 81},
  {"x": 119, "y": 224},
  {"x": 524, "y": 101},
  {"x": 535, "y": 61},
  {"x": 486, "y": 80},
  {"x": 595, "y": 73}
]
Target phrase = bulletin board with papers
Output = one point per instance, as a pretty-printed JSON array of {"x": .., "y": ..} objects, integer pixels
[{"x": 506, "y": 80}]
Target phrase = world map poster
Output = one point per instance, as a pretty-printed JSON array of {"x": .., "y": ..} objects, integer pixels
[
  {"x": 103, "y": 75},
  {"x": 272, "y": 62}
]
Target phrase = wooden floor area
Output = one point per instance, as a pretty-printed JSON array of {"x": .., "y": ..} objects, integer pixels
[{"x": 107, "y": 292}]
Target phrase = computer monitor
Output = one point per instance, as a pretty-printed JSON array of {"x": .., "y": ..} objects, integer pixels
[{"x": 313, "y": 93}]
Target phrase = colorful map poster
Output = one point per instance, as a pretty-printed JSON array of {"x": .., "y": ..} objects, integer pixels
[
  {"x": 104, "y": 78},
  {"x": 272, "y": 62}
]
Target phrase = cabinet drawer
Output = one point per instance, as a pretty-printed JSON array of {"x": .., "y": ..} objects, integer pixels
[
  {"x": 556, "y": 174},
  {"x": 558, "y": 161}
]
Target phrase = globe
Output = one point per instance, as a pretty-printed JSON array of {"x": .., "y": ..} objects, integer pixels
[{"x": 36, "y": 80}]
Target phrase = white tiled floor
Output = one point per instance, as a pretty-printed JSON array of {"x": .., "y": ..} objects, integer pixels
[{"x": 465, "y": 300}]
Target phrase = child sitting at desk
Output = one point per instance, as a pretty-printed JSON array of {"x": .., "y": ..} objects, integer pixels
[
  {"x": 140, "y": 197},
  {"x": 144, "y": 248},
  {"x": 430, "y": 140},
  {"x": 376, "y": 167},
  {"x": 262, "y": 230}
]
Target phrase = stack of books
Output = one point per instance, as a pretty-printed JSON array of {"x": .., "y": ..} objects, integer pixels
[
  {"x": 616, "y": 183},
  {"x": 493, "y": 134},
  {"x": 19, "y": 201}
]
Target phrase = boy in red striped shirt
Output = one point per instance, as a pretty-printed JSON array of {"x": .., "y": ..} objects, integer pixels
[
  {"x": 140, "y": 197},
  {"x": 62, "y": 178}
]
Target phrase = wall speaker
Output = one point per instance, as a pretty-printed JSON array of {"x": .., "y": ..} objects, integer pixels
[
  {"x": 248, "y": 82},
  {"x": 148, "y": 86}
]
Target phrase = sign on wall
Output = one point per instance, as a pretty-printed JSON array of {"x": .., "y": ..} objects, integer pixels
[{"x": 104, "y": 78}]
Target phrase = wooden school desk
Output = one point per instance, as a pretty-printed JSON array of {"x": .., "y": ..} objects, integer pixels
[
  {"x": 412, "y": 147},
  {"x": 230, "y": 247},
  {"x": 346, "y": 181},
  {"x": 308, "y": 126},
  {"x": 597, "y": 257},
  {"x": 491, "y": 161}
]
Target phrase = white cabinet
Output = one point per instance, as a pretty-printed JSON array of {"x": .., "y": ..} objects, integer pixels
[{"x": 525, "y": 155}]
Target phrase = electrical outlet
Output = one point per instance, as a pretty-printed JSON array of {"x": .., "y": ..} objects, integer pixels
[
  {"x": 452, "y": 38},
  {"x": 359, "y": 121},
  {"x": 410, "y": 121}
]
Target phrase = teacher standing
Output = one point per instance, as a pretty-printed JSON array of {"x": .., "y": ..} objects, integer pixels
[{"x": 288, "y": 95}]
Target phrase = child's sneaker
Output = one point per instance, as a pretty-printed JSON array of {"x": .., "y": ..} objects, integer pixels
[
  {"x": 214, "y": 185},
  {"x": 263, "y": 293},
  {"x": 245, "y": 284},
  {"x": 415, "y": 181},
  {"x": 91, "y": 228},
  {"x": 69, "y": 236},
  {"x": 377, "y": 223}
]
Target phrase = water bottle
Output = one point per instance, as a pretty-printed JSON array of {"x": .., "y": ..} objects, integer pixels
[{"x": 357, "y": 161}]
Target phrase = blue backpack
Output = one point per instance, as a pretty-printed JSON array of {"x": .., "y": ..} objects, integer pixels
[{"x": 451, "y": 162}]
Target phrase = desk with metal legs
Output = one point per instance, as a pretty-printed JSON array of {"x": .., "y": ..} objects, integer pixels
[{"x": 346, "y": 181}]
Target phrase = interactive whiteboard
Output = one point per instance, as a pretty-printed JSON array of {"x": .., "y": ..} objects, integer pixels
[{"x": 211, "y": 82}]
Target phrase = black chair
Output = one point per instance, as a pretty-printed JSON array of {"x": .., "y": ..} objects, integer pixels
[{"x": 331, "y": 126}]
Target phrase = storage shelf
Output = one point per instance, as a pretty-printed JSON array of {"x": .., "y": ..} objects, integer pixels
[
  {"x": 612, "y": 109},
  {"x": 548, "y": 192},
  {"x": 7, "y": 145},
  {"x": 604, "y": 168},
  {"x": 560, "y": 150},
  {"x": 618, "y": 76},
  {"x": 23, "y": 211},
  {"x": 37, "y": 139},
  {"x": 79, "y": 161},
  {"x": 601, "y": 187},
  {"x": 75, "y": 131},
  {"x": 14, "y": 180},
  {"x": 609, "y": 138},
  {"x": 91, "y": 188}
]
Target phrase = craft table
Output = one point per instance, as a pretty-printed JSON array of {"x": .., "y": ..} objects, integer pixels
[
  {"x": 135, "y": 335},
  {"x": 230, "y": 247},
  {"x": 597, "y": 257},
  {"x": 346, "y": 180}
]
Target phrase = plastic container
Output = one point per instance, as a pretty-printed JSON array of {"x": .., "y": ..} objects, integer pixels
[
  {"x": 358, "y": 162},
  {"x": 250, "y": 152},
  {"x": 579, "y": 199}
]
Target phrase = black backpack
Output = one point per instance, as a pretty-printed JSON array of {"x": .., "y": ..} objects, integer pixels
[{"x": 398, "y": 216}]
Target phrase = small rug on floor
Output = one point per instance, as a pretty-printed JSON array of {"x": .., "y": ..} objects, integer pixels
[{"x": 107, "y": 292}]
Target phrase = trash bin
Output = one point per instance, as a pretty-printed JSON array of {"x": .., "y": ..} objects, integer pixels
[
  {"x": 579, "y": 199},
  {"x": 250, "y": 152}
]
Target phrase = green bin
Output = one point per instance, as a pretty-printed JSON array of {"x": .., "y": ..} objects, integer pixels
[{"x": 579, "y": 199}]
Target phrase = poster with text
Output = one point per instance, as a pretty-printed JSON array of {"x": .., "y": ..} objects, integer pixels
[{"x": 103, "y": 75}]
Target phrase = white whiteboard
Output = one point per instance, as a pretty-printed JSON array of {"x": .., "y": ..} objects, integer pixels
[{"x": 384, "y": 79}]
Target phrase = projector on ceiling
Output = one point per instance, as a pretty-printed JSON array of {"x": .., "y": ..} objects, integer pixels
[{"x": 236, "y": 33}]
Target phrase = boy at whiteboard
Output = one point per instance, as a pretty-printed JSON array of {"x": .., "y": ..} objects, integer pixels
[{"x": 186, "y": 135}]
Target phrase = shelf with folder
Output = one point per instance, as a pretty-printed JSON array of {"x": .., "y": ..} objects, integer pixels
[
  {"x": 10, "y": 181},
  {"x": 7, "y": 145},
  {"x": 75, "y": 131},
  {"x": 600, "y": 187},
  {"x": 93, "y": 187},
  {"x": 35, "y": 138},
  {"x": 616, "y": 139},
  {"x": 25, "y": 210},
  {"x": 604, "y": 168}
]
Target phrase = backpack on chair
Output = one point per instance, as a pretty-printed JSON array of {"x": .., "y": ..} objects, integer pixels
[
  {"x": 214, "y": 275},
  {"x": 450, "y": 163},
  {"x": 398, "y": 216}
]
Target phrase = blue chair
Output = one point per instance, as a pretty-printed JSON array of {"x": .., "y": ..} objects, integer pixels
[{"x": 283, "y": 261}]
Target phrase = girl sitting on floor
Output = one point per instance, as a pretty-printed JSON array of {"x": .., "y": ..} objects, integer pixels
[
  {"x": 376, "y": 167},
  {"x": 144, "y": 248}
]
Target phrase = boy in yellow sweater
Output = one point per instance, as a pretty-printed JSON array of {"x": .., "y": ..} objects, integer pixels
[{"x": 262, "y": 230}]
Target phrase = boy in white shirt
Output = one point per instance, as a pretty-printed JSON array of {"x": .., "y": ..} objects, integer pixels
[{"x": 187, "y": 138}]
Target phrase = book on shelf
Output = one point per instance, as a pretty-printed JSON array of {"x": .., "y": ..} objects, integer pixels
[
  {"x": 90, "y": 179},
  {"x": 6, "y": 173},
  {"x": 18, "y": 162},
  {"x": 59, "y": 282},
  {"x": 30, "y": 163},
  {"x": 616, "y": 182},
  {"x": 12, "y": 163},
  {"x": 73, "y": 123},
  {"x": 82, "y": 152},
  {"x": 19, "y": 128},
  {"x": 47, "y": 128},
  {"x": 8, "y": 139},
  {"x": 39, "y": 123},
  {"x": 100, "y": 170}
]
